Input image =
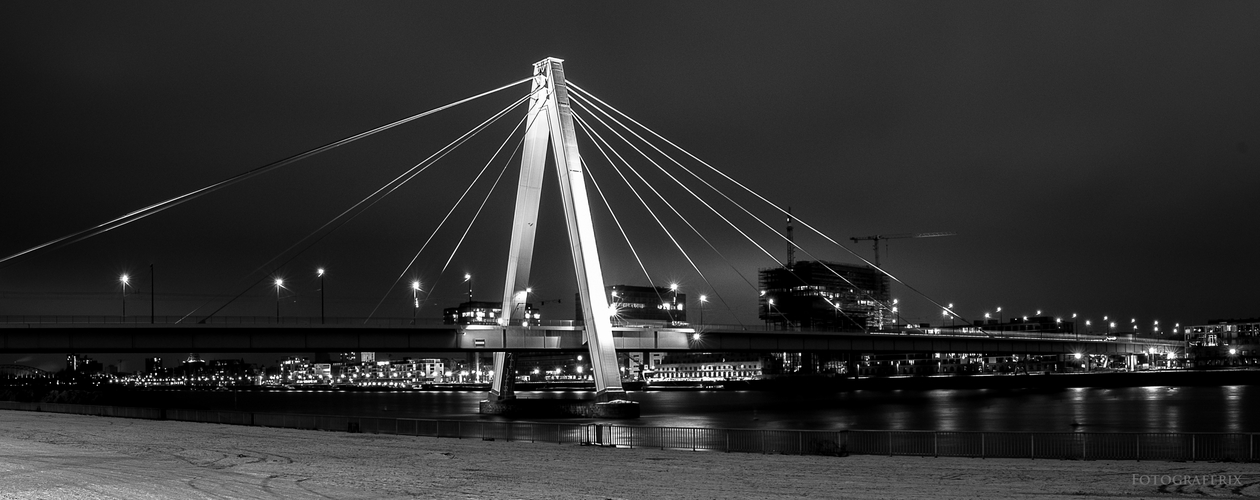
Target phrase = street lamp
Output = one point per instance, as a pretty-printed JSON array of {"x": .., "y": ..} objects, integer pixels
[
  {"x": 123, "y": 281},
  {"x": 703, "y": 300},
  {"x": 1000, "y": 318},
  {"x": 279, "y": 285},
  {"x": 468, "y": 279},
  {"x": 673, "y": 301},
  {"x": 896, "y": 315},
  {"x": 415, "y": 299},
  {"x": 525, "y": 306},
  {"x": 786, "y": 324},
  {"x": 320, "y": 272}
]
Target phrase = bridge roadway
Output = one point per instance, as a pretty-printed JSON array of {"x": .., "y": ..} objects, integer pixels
[{"x": 36, "y": 337}]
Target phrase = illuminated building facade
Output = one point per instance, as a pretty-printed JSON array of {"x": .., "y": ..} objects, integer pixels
[
  {"x": 484, "y": 313},
  {"x": 153, "y": 365},
  {"x": 643, "y": 304},
  {"x": 708, "y": 366},
  {"x": 1231, "y": 342}
]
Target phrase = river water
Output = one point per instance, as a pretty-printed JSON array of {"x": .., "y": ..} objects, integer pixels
[{"x": 1128, "y": 409}]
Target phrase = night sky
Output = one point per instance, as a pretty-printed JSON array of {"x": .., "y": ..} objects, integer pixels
[{"x": 1092, "y": 157}]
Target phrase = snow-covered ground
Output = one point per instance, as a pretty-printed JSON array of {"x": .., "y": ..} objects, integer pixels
[{"x": 52, "y": 456}]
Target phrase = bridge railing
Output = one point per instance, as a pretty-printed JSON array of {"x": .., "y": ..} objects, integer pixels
[{"x": 1205, "y": 446}]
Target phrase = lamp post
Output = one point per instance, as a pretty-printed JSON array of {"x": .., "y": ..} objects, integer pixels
[
  {"x": 525, "y": 306},
  {"x": 468, "y": 279},
  {"x": 123, "y": 281},
  {"x": 703, "y": 300},
  {"x": 1001, "y": 320},
  {"x": 673, "y": 301},
  {"x": 279, "y": 285},
  {"x": 415, "y": 299},
  {"x": 896, "y": 314},
  {"x": 786, "y": 323},
  {"x": 320, "y": 273}
]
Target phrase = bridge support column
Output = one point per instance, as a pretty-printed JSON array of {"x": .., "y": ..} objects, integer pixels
[{"x": 502, "y": 386}]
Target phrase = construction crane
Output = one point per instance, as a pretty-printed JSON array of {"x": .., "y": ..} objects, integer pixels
[{"x": 875, "y": 239}]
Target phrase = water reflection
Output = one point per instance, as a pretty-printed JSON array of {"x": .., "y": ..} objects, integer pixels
[{"x": 1144, "y": 409}]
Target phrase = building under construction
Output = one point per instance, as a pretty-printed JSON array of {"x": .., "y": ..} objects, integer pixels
[{"x": 820, "y": 295}]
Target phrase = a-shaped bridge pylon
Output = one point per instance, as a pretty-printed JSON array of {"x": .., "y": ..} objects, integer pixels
[{"x": 550, "y": 120}]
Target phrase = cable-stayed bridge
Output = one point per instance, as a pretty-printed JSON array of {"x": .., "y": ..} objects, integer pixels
[{"x": 557, "y": 112}]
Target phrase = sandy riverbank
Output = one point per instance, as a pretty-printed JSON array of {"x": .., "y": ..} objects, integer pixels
[{"x": 54, "y": 456}]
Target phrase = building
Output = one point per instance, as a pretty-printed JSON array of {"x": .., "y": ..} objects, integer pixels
[
  {"x": 824, "y": 296},
  {"x": 708, "y": 366},
  {"x": 629, "y": 305},
  {"x": 1223, "y": 342},
  {"x": 76, "y": 363},
  {"x": 153, "y": 365},
  {"x": 485, "y": 313},
  {"x": 639, "y": 363}
]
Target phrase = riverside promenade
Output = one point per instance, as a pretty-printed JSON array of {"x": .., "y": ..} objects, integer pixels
[{"x": 54, "y": 456}]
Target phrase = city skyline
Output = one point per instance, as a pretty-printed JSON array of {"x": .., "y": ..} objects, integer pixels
[{"x": 1089, "y": 159}]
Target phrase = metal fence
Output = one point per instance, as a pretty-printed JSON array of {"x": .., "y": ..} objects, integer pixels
[
  {"x": 144, "y": 321},
  {"x": 1205, "y": 446}
]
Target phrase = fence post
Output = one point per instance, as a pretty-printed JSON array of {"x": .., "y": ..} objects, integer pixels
[
  {"x": 1084, "y": 441},
  {"x": 728, "y": 441},
  {"x": 763, "y": 442},
  {"x": 890, "y": 453},
  {"x": 1193, "y": 446},
  {"x": 981, "y": 445},
  {"x": 936, "y": 447},
  {"x": 800, "y": 442},
  {"x": 694, "y": 430},
  {"x": 1138, "y": 438},
  {"x": 558, "y": 439},
  {"x": 1032, "y": 446}
]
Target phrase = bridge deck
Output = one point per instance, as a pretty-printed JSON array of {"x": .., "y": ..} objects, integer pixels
[{"x": 65, "y": 338}]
